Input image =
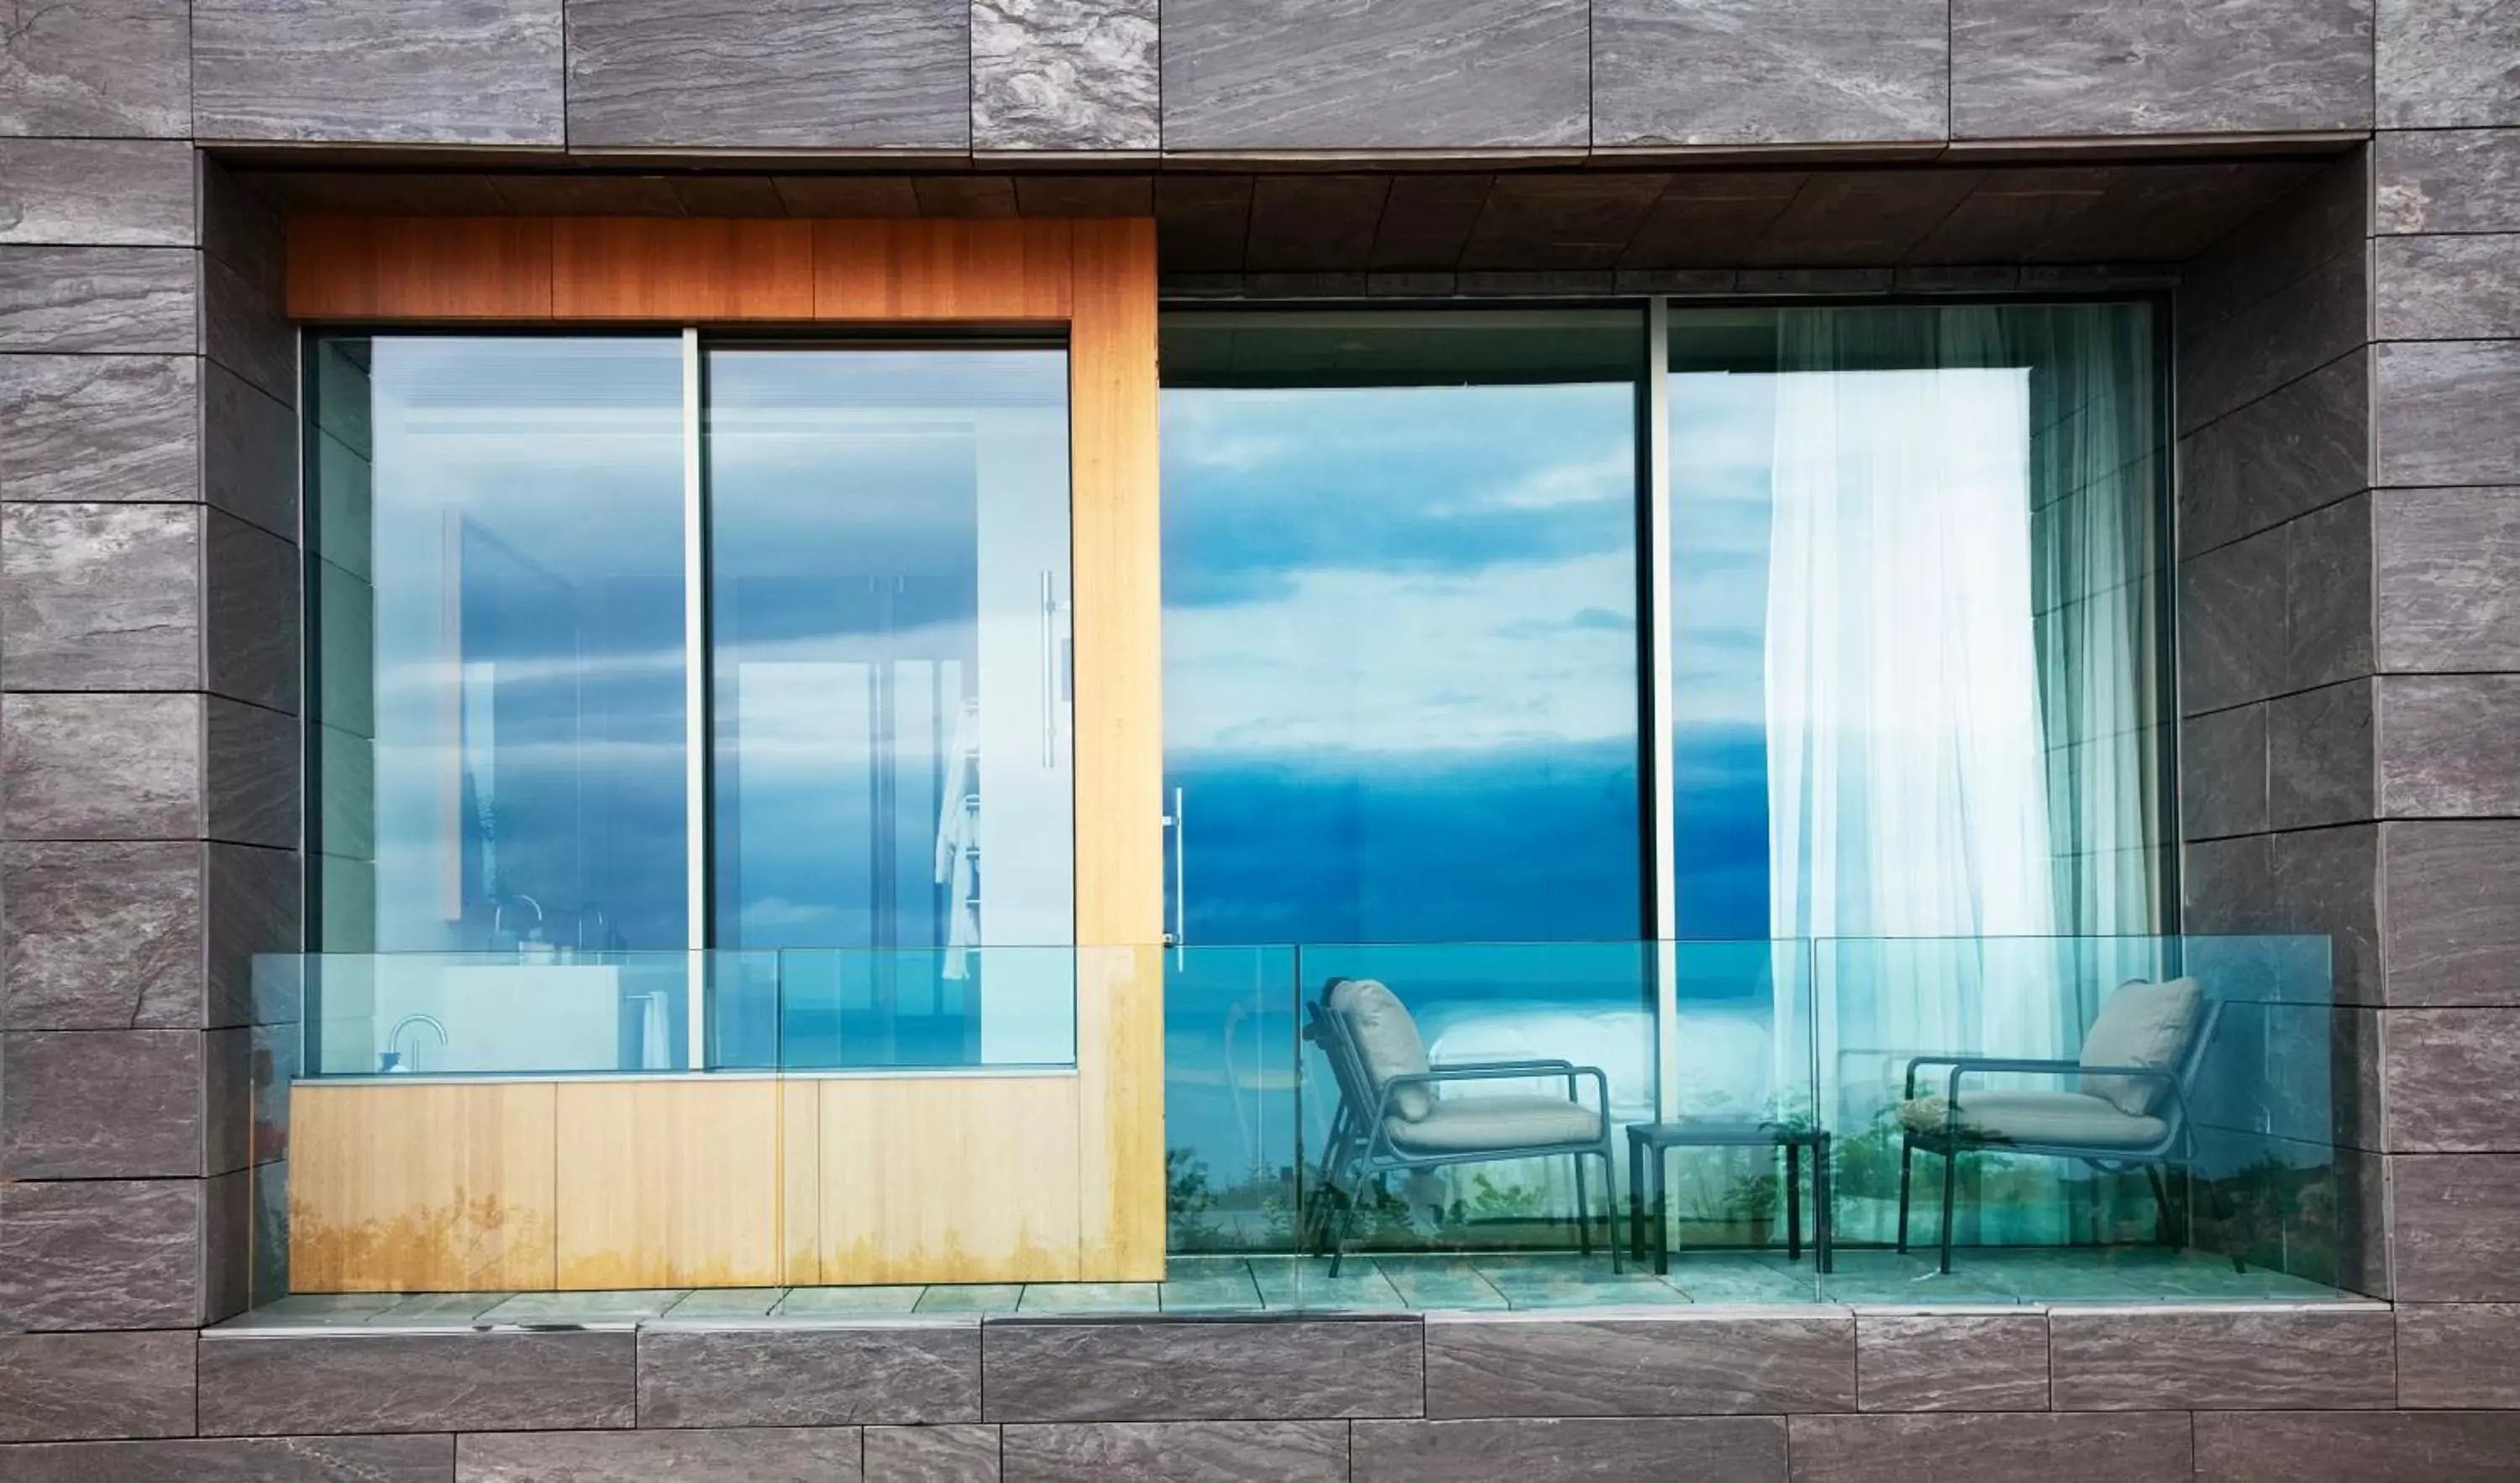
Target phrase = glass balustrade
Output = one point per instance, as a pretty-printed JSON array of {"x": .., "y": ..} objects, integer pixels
[{"x": 2122, "y": 1118}]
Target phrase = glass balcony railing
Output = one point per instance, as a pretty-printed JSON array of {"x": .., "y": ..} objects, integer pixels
[
  {"x": 2217, "y": 1175},
  {"x": 548, "y": 1013},
  {"x": 2196, "y": 1156}
]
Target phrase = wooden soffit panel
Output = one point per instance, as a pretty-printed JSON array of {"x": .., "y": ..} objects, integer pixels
[{"x": 685, "y": 270}]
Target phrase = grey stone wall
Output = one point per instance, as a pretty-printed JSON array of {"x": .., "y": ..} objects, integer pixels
[
  {"x": 946, "y": 76},
  {"x": 149, "y": 676},
  {"x": 2350, "y": 636},
  {"x": 2444, "y": 533},
  {"x": 1824, "y": 1394},
  {"x": 1045, "y": 77},
  {"x": 2273, "y": 425},
  {"x": 148, "y": 688},
  {"x": 2349, "y": 425}
]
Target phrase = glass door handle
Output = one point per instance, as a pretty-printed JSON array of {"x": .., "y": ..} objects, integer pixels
[
  {"x": 1054, "y": 671},
  {"x": 1179, "y": 936},
  {"x": 1049, "y": 671}
]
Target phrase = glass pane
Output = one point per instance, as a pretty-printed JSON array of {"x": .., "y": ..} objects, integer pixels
[
  {"x": 891, "y": 768},
  {"x": 1232, "y": 1061},
  {"x": 1915, "y": 621},
  {"x": 1400, "y": 688},
  {"x": 1918, "y": 693},
  {"x": 480, "y": 1012},
  {"x": 495, "y": 562},
  {"x": 1400, "y": 642}
]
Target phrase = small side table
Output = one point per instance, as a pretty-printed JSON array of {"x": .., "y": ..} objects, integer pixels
[{"x": 1647, "y": 1142}]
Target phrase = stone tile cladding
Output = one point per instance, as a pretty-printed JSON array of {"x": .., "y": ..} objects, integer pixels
[{"x": 2349, "y": 436}]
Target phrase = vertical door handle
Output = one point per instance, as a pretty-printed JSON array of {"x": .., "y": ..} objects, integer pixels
[
  {"x": 1179, "y": 936},
  {"x": 1049, "y": 668}
]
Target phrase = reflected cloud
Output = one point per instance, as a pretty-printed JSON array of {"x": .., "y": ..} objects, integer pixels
[
  {"x": 1369, "y": 661},
  {"x": 1260, "y": 486}
]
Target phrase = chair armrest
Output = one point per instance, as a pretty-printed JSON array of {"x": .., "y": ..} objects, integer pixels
[
  {"x": 1964, "y": 1065},
  {"x": 1983, "y": 1064},
  {"x": 2151, "y": 1073},
  {"x": 1499, "y": 1070}
]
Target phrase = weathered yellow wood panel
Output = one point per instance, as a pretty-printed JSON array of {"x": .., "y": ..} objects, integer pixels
[
  {"x": 669, "y": 1183},
  {"x": 1117, "y": 528},
  {"x": 431, "y": 1188},
  {"x": 950, "y": 1180},
  {"x": 800, "y": 1192},
  {"x": 689, "y": 1181}
]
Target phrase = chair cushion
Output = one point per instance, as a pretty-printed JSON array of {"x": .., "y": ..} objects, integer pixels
[
  {"x": 1387, "y": 1040},
  {"x": 2142, "y": 1024},
  {"x": 1468, "y": 1124},
  {"x": 2037, "y": 1118}
]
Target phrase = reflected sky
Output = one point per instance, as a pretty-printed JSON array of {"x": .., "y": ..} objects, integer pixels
[
  {"x": 1406, "y": 570},
  {"x": 1723, "y": 449},
  {"x": 1401, "y": 654},
  {"x": 886, "y": 523},
  {"x": 497, "y": 533}
]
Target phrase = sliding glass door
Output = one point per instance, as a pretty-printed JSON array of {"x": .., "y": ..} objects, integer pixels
[
  {"x": 1915, "y": 616},
  {"x": 1401, "y": 659},
  {"x": 495, "y": 540},
  {"x": 891, "y": 741},
  {"x": 1866, "y": 599},
  {"x": 1400, "y": 625}
]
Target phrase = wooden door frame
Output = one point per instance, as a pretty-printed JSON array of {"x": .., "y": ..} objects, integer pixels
[{"x": 1095, "y": 280}]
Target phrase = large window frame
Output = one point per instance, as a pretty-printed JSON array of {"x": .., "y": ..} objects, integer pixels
[
  {"x": 1655, "y": 595},
  {"x": 1672, "y": 965},
  {"x": 703, "y": 744}
]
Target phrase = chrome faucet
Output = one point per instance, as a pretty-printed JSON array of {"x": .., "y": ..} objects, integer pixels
[
  {"x": 498, "y": 914},
  {"x": 392, "y": 1058},
  {"x": 530, "y": 946}
]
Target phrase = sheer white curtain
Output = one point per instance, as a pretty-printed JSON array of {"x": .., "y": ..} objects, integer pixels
[
  {"x": 2095, "y": 537},
  {"x": 1907, "y": 764}
]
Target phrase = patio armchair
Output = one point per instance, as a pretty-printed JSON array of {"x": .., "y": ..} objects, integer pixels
[
  {"x": 1391, "y": 1120},
  {"x": 2137, "y": 1078}
]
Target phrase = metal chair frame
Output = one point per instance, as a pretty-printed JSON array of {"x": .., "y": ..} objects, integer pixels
[
  {"x": 2176, "y": 1148},
  {"x": 1359, "y": 1149}
]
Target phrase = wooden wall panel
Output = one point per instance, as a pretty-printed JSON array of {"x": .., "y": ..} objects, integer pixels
[
  {"x": 800, "y": 1189},
  {"x": 677, "y": 1181},
  {"x": 680, "y": 270},
  {"x": 1120, "y": 1075},
  {"x": 430, "y": 1188},
  {"x": 1117, "y": 535},
  {"x": 689, "y": 271},
  {"x": 419, "y": 268},
  {"x": 669, "y": 1183},
  {"x": 968, "y": 1179},
  {"x": 941, "y": 271}
]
